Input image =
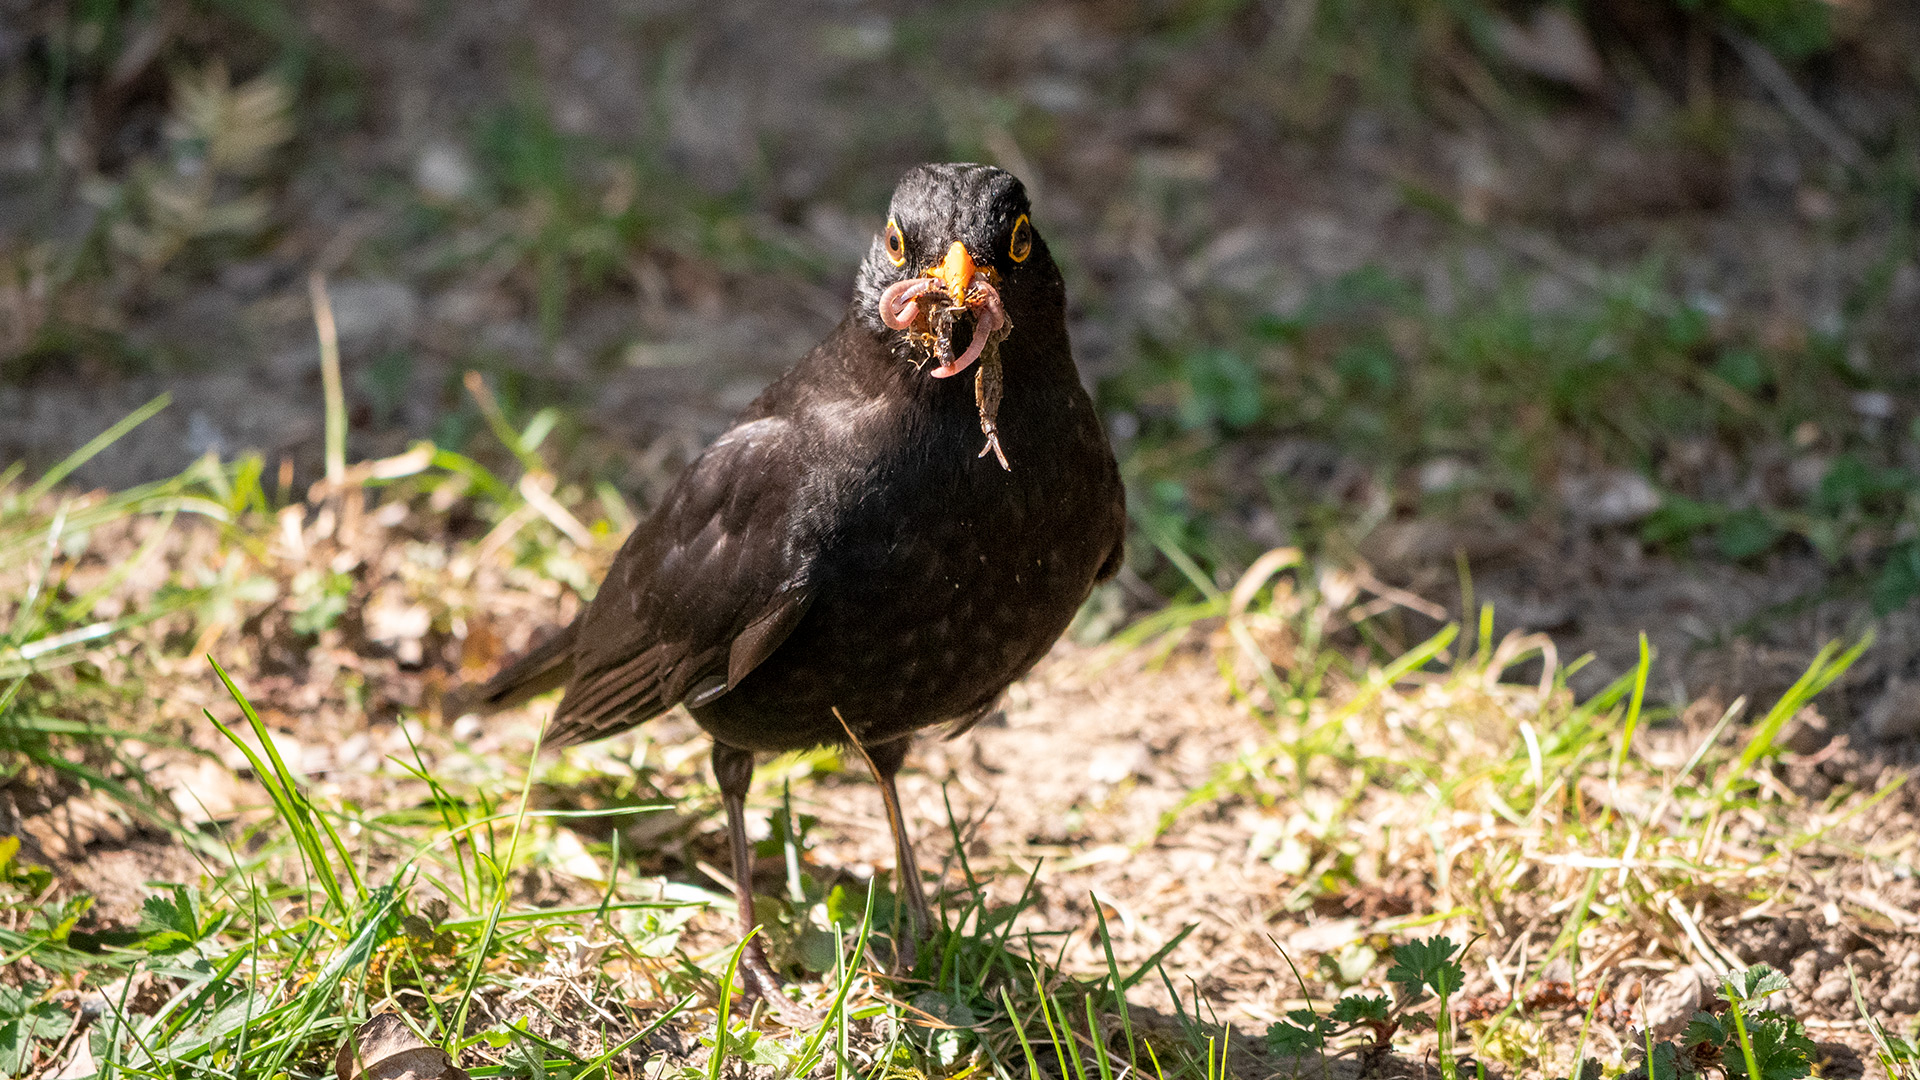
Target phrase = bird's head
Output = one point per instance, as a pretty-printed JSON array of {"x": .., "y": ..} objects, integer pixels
[{"x": 958, "y": 252}]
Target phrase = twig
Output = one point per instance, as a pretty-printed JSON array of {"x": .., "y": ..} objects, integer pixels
[
  {"x": 1768, "y": 72},
  {"x": 1712, "y": 956},
  {"x": 330, "y": 377},
  {"x": 530, "y": 489},
  {"x": 1364, "y": 576}
]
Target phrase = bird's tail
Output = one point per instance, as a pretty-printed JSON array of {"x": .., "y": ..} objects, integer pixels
[{"x": 546, "y": 666}]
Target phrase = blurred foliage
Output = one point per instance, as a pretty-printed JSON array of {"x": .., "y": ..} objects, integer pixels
[
  {"x": 1486, "y": 402},
  {"x": 220, "y": 140},
  {"x": 202, "y": 117},
  {"x": 1796, "y": 29}
]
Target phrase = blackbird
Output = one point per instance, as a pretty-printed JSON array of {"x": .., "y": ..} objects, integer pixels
[{"x": 875, "y": 546}]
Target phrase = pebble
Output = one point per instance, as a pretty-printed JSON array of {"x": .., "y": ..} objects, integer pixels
[{"x": 1671, "y": 1001}]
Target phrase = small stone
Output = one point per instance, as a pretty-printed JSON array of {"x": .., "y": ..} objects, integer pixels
[
  {"x": 1552, "y": 45},
  {"x": 1671, "y": 1001},
  {"x": 1897, "y": 714},
  {"x": 1806, "y": 969},
  {"x": 1834, "y": 987},
  {"x": 1112, "y": 764},
  {"x": 1903, "y": 993},
  {"x": 443, "y": 171},
  {"x": 1444, "y": 474},
  {"x": 399, "y": 625},
  {"x": 1873, "y": 405},
  {"x": 1614, "y": 497}
]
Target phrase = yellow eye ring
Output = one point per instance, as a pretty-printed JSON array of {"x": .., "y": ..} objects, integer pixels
[
  {"x": 896, "y": 245},
  {"x": 1022, "y": 245}
]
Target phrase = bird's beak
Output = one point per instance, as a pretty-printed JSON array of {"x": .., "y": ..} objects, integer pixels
[
  {"x": 968, "y": 287},
  {"x": 957, "y": 271}
]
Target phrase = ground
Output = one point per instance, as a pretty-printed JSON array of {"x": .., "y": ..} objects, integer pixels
[{"x": 1613, "y": 332}]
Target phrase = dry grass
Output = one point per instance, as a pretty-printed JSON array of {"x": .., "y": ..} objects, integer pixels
[{"x": 1248, "y": 800}]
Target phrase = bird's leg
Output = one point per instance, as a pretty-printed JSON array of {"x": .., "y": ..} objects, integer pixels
[
  {"x": 885, "y": 761},
  {"x": 733, "y": 770}
]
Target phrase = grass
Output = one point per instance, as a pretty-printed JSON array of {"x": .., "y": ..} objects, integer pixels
[
  {"x": 311, "y": 913},
  {"x": 310, "y": 906},
  {"x": 1482, "y": 406},
  {"x": 1489, "y": 408},
  {"x": 1567, "y": 804}
]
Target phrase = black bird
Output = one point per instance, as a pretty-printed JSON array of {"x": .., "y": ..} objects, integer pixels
[{"x": 875, "y": 546}]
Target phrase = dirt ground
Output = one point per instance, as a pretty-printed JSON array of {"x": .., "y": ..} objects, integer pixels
[{"x": 1089, "y": 773}]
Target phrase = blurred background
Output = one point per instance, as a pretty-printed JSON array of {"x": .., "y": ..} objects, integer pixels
[{"x": 1604, "y": 311}]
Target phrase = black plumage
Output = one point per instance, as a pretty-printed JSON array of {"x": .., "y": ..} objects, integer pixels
[{"x": 848, "y": 549}]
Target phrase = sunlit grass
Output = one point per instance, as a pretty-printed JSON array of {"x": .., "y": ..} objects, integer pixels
[{"x": 1555, "y": 836}]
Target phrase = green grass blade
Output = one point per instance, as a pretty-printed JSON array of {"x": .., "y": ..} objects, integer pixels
[
  {"x": 1113, "y": 977},
  {"x": 314, "y": 859},
  {"x": 93, "y": 447},
  {"x": 1736, "y": 1006},
  {"x": 1412, "y": 660},
  {"x": 1825, "y": 668},
  {"x": 1159, "y": 955},
  {"x": 1640, "y": 673},
  {"x": 309, "y": 821}
]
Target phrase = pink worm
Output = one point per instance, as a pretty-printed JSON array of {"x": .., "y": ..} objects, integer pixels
[
  {"x": 899, "y": 307},
  {"x": 898, "y": 303}
]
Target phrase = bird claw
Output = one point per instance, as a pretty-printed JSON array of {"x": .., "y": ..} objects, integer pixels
[
  {"x": 758, "y": 983},
  {"x": 993, "y": 447},
  {"x": 987, "y": 387}
]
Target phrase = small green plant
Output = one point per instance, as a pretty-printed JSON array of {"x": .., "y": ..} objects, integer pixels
[
  {"x": 1741, "y": 1042},
  {"x": 1858, "y": 505},
  {"x": 1422, "y": 967}
]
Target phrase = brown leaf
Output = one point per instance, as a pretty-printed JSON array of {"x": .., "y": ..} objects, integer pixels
[
  {"x": 1553, "y": 45},
  {"x": 69, "y": 829},
  {"x": 79, "y": 1061},
  {"x": 385, "y": 1048}
]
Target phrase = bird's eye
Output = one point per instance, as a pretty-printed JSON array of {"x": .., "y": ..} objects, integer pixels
[
  {"x": 896, "y": 245},
  {"x": 1022, "y": 245}
]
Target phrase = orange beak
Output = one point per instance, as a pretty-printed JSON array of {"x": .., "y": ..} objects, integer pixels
[{"x": 957, "y": 271}]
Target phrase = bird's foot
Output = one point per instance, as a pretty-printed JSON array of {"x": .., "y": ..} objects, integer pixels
[
  {"x": 758, "y": 983},
  {"x": 907, "y": 939},
  {"x": 906, "y": 953}
]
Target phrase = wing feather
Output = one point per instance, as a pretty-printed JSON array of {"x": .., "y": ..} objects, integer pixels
[{"x": 707, "y": 587}]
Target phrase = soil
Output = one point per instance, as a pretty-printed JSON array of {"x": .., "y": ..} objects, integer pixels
[{"x": 1087, "y": 774}]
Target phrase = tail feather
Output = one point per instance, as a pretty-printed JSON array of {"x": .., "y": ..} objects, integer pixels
[{"x": 546, "y": 666}]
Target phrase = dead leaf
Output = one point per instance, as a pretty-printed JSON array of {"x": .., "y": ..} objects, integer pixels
[
  {"x": 205, "y": 791},
  {"x": 69, "y": 829},
  {"x": 1553, "y": 45},
  {"x": 79, "y": 1061},
  {"x": 385, "y": 1048}
]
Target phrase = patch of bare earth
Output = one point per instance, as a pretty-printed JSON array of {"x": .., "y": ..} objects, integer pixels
[{"x": 1134, "y": 781}]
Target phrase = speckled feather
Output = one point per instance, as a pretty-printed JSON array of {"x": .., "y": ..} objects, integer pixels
[{"x": 843, "y": 545}]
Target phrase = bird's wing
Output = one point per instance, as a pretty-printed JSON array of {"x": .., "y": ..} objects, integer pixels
[
  {"x": 702, "y": 592},
  {"x": 1116, "y": 526},
  {"x": 1117, "y": 554}
]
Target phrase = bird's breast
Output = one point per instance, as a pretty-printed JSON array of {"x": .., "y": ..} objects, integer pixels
[{"x": 948, "y": 579}]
